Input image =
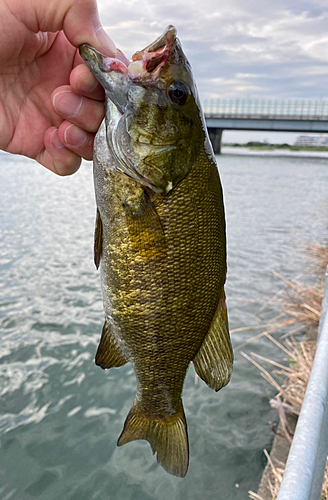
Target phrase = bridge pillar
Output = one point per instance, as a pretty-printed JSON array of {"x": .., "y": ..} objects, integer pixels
[{"x": 215, "y": 137}]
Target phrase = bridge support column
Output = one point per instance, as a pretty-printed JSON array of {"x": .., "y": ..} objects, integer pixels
[{"x": 215, "y": 137}]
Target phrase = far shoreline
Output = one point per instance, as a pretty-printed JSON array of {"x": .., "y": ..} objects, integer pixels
[{"x": 251, "y": 151}]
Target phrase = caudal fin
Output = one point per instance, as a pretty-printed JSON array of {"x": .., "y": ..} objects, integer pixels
[{"x": 168, "y": 438}]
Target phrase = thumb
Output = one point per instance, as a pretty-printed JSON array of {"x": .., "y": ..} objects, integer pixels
[
  {"x": 79, "y": 19},
  {"x": 81, "y": 24}
]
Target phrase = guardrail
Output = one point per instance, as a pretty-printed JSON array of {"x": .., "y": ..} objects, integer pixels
[
  {"x": 308, "y": 454},
  {"x": 296, "y": 109}
]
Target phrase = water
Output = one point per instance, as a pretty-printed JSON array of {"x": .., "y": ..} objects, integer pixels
[{"x": 60, "y": 415}]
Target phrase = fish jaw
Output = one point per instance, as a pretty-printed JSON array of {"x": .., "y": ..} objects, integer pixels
[
  {"x": 152, "y": 58},
  {"x": 111, "y": 73},
  {"x": 168, "y": 37}
]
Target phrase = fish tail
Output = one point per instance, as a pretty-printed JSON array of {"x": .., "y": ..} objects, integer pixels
[{"x": 167, "y": 436}]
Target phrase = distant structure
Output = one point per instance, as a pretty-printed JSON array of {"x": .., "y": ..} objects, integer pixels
[
  {"x": 294, "y": 115},
  {"x": 316, "y": 140}
]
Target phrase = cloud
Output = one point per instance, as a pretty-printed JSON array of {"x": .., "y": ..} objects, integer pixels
[
  {"x": 243, "y": 47},
  {"x": 317, "y": 49}
]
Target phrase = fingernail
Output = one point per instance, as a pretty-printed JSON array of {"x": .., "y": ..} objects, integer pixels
[
  {"x": 107, "y": 44},
  {"x": 55, "y": 140},
  {"x": 74, "y": 136},
  {"x": 67, "y": 104}
]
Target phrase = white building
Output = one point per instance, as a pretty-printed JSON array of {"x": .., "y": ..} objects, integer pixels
[{"x": 312, "y": 140}]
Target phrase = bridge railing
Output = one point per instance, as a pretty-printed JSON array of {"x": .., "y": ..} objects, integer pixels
[{"x": 299, "y": 109}]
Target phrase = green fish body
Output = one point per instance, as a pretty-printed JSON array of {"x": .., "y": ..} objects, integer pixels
[{"x": 159, "y": 241}]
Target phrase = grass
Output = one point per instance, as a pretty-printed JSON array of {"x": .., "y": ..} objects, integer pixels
[
  {"x": 290, "y": 148},
  {"x": 300, "y": 307},
  {"x": 259, "y": 146},
  {"x": 275, "y": 479}
]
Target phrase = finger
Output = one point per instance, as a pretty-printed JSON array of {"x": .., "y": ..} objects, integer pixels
[
  {"x": 79, "y": 20},
  {"x": 84, "y": 82},
  {"x": 56, "y": 157},
  {"x": 82, "y": 111},
  {"x": 81, "y": 16},
  {"x": 76, "y": 139}
]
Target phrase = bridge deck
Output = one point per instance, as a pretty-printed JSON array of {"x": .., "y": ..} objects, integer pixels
[
  {"x": 267, "y": 109},
  {"x": 271, "y": 124},
  {"x": 259, "y": 114}
]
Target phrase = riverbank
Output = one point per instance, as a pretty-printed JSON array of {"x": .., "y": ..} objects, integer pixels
[
  {"x": 231, "y": 150},
  {"x": 265, "y": 146},
  {"x": 300, "y": 304}
]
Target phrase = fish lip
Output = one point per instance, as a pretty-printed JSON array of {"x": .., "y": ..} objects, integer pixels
[
  {"x": 158, "y": 147},
  {"x": 97, "y": 60},
  {"x": 150, "y": 144},
  {"x": 87, "y": 52}
]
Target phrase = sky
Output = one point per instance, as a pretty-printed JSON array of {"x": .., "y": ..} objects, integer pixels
[{"x": 267, "y": 49}]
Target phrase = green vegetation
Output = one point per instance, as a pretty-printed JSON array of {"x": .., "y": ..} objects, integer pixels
[{"x": 264, "y": 146}]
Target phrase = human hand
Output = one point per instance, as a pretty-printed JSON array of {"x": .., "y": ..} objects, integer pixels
[{"x": 50, "y": 103}]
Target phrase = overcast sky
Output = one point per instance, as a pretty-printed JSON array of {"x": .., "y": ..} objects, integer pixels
[{"x": 237, "y": 48}]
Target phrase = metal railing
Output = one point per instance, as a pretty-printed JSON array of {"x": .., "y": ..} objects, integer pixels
[
  {"x": 293, "y": 109},
  {"x": 308, "y": 454}
]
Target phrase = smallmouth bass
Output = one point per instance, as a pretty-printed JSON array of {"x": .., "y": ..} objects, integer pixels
[{"x": 159, "y": 240}]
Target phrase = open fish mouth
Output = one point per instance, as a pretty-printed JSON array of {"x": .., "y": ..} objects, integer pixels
[
  {"x": 153, "y": 57},
  {"x": 144, "y": 63}
]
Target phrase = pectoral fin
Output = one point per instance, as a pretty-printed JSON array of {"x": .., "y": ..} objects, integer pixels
[
  {"x": 98, "y": 240},
  {"x": 213, "y": 362},
  {"x": 145, "y": 229},
  {"x": 109, "y": 354}
]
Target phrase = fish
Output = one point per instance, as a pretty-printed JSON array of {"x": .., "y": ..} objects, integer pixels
[{"x": 160, "y": 240}]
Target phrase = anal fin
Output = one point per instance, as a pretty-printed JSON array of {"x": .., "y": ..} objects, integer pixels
[
  {"x": 109, "y": 354},
  {"x": 213, "y": 362}
]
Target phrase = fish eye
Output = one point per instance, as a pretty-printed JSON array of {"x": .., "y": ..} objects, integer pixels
[{"x": 178, "y": 92}]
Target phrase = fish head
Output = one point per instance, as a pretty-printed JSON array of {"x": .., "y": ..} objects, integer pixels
[{"x": 154, "y": 121}]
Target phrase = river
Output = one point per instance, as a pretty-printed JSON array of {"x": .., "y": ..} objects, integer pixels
[{"x": 60, "y": 415}]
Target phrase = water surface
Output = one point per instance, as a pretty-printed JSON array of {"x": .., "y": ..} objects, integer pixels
[{"x": 60, "y": 415}]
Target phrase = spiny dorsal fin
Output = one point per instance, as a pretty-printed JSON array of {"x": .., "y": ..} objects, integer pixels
[
  {"x": 109, "y": 354},
  {"x": 167, "y": 436},
  {"x": 213, "y": 362},
  {"x": 98, "y": 240}
]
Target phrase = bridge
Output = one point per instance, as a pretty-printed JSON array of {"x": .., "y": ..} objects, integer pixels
[{"x": 297, "y": 115}]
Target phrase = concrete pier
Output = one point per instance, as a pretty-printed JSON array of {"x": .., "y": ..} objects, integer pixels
[{"x": 215, "y": 137}]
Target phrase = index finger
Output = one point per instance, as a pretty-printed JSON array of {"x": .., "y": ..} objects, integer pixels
[{"x": 84, "y": 82}]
